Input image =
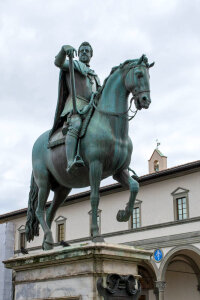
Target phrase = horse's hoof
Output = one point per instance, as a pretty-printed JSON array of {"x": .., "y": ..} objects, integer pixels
[
  {"x": 123, "y": 216},
  {"x": 47, "y": 245},
  {"x": 48, "y": 241},
  {"x": 98, "y": 239}
]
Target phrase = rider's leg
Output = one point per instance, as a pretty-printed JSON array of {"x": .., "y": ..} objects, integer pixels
[{"x": 71, "y": 143}]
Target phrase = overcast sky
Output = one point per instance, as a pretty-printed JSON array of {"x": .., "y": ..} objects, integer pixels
[{"x": 32, "y": 33}]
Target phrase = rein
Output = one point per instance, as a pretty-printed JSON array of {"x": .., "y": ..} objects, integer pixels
[{"x": 114, "y": 114}]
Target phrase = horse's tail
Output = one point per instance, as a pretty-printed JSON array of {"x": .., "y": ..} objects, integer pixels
[{"x": 32, "y": 223}]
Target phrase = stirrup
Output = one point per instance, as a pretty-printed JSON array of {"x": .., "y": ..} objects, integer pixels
[{"x": 77, "y": 163}]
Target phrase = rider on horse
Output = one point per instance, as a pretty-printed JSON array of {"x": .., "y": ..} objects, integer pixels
[{"x": 86, "y": 82}]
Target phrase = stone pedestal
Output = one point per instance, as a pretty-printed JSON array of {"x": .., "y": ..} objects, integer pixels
[{"x": 72, "y": 272}]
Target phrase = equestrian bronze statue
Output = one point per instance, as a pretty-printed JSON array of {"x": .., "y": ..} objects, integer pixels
[{"x": 89, "y": 140}]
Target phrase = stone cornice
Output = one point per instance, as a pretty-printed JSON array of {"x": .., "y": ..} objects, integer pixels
[{"x": 77, "y": 252}]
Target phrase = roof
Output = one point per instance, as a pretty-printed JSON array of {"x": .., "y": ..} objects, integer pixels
[
  {"x": 159, "y": 152},
  {"x": 176, "y": 171}
]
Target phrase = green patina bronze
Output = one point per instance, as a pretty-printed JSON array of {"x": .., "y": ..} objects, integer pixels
[{"x": 104, "y": 147}]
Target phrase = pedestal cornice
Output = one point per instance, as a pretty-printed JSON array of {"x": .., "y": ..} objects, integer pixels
[{"x": 73, "y": 253}]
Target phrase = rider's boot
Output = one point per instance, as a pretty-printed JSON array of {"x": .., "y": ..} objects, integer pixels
[{"x": 73, "y": 160}]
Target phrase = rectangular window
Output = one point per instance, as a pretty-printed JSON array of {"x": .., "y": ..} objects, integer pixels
[
  {"x": 136, "y": 217},
  {"x": 22, "y": 240},
  {"x": 182, "y": 212},
  {"x": 61, "y": 232}
]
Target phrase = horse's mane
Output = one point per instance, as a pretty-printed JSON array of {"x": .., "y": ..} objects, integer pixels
[{"x": 127, "y": 63}]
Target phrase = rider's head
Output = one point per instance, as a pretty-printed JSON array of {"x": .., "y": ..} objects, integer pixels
[{"x": 85, "y": 52}]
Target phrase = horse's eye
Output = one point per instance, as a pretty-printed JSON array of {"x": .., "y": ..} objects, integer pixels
[{"x": 139, "y": 75}]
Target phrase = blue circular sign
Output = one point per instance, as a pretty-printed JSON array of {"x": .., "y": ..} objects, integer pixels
[{"x": 158, "y": 255}]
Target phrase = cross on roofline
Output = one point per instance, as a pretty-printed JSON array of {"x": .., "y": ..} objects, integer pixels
[{"x": 158, "y": 143}]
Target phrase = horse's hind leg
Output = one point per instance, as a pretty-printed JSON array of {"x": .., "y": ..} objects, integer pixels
[
  {"x": 60, "y": 194},
  {"x": 95, "y": 179},
  {"x": 42, "y": 180},
  {"x": 126, "y": 180}
]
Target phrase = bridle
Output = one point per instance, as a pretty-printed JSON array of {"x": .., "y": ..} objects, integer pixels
[
  {"x": 123, "y": 114},
  {"x": 124, "y": 79}
]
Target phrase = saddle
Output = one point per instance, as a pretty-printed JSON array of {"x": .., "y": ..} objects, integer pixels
[{"x": 58, "y": 138}]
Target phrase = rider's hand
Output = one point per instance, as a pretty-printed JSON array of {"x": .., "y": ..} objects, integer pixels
[{"x": 69, "y": 50}]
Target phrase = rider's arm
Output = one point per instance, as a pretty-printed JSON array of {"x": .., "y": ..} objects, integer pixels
[{"x": 60, "y": 59}]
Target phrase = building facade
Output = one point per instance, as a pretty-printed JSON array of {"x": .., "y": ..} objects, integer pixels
[{"x": 165, "y": 219}]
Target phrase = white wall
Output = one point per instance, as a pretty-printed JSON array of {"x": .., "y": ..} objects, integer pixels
[{"x": 157, "y": 207}]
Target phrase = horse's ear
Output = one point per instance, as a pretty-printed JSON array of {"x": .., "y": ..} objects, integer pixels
[
  {"x": 152, "y": 64},
  {"x": 140, "y": 59}
]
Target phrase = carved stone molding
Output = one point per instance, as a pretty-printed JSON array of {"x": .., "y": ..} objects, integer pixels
[
  {"x": 160, "y": 285},
  {"x": 124, "y": 287}
]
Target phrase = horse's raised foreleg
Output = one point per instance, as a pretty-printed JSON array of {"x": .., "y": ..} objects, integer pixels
[
  {"x": 95, "y": 179},
  {"x": 43, "y": 193},
  {"x": 60, "y": 194},
  {"x": 126, "y": 180}
]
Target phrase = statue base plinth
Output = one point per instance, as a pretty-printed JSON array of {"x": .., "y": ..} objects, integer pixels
[{"x": 72, "y": 272}]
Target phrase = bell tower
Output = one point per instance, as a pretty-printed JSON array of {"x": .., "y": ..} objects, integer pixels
[{"x": 158, "y": 161}]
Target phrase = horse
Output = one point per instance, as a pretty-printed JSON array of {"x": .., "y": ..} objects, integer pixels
[{"x": 105, "y": 148}]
